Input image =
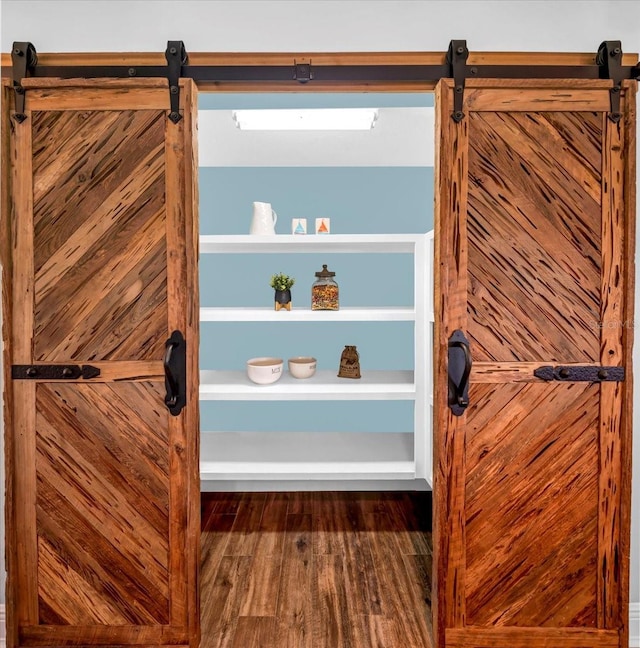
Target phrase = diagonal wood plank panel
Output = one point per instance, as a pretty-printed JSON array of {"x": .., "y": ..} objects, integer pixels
[
  {"x": 531, "y": 562},
  {"x": 534, "y": 227},
  {"x": 102, "y": 504},
  {"x": 100, "y": 251}
]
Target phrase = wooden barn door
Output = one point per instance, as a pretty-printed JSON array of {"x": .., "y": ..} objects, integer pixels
[
  {"x": 535, "y": 272},
  {"x": 100, "y": 269}
]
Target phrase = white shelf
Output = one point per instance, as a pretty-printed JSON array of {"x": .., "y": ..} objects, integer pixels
[
  {"x": 324, "y": 385},
  {"x": 266, "y": 314},
  {"x": 306, "y": 455},
  {"x": 289, "y": 243}
]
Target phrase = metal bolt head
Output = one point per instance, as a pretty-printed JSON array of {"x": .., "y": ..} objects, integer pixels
[
  {"x": 173, "y": 90},
  {"x": 132, "y": 72},
  {"x": 32, "y": 372},
  {"x": 173, "y": 50},
  {"x": 67, "y": 372},
  {"x": 563, "y": 373},
  {"x": 459, "y": 89},
  {"x": 460, "y": 50},
  {"x": 474, "y": 70},
  {"x": 603, "y": 374},
  {"x": 615, "y": 51},
  {"x": 18, "y": 52}
]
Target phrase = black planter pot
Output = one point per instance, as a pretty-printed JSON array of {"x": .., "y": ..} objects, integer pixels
[{"x": 283, "y": 299}]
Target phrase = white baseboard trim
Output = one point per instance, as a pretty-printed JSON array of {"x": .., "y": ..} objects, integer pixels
[{"x": 634, "y": 625}]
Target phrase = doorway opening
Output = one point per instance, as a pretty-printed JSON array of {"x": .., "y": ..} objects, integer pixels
[{"x": 316, "y": 502}]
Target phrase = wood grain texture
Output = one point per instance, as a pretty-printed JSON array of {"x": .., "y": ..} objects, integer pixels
[
  {"x": 534, "y": 260},
  {"x": 323, "y": 599},
  {"x": 527, "y": 637},
  {"x": 629, "y": 92},
  {"x": 192, "y": 315},
  {"x": 546, "y": 464},
  {"x": 452, "y": 146},
  {"x": 6, "y": 242},
  {"x": 611, "y": 351},
  {"x": 102, "y": 502},
  {"x": 531, "y": 562},
  {"x": 107, "y": 482},
  {"x": 528, "y": 100},
  {"x": 181, "y": 454},
  {"x": 157, "y": 635},
  {"x": 24, "y": 579},
  {"x": 99, "y": 236}
]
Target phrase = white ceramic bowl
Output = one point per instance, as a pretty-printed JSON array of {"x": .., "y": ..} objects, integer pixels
[
  {"x": 264, "y": 371},
  {"x": 302, "y": 366}
]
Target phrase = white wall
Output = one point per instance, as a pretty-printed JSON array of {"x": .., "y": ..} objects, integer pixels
[{"x": 334, "y": 25}]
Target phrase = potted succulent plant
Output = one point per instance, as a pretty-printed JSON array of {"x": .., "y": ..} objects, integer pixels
[{"x": 282, "y": 283}]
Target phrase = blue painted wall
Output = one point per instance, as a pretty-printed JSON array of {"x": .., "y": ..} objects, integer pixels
[{"x": 358, "y": 200}]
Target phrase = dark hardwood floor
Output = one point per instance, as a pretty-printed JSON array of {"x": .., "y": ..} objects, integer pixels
[{"x": 316, "y": 570}]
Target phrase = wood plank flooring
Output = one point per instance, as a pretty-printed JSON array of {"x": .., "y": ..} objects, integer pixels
[{"x": 316, "y": 570}]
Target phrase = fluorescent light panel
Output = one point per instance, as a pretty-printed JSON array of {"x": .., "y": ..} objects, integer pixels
[{"x": 306, "y": 119}]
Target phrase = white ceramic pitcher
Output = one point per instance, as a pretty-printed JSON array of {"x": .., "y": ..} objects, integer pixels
[{"x": 264, "y": 219}]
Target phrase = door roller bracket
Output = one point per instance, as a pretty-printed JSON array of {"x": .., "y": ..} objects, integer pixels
[
  {"x": 576, "y": 373},
  {"x": 23, "y": 60},
  {"x": 176, "y": 56},
  {"x": 609, "y": 60},
  {"x": 457, "y": 56}
]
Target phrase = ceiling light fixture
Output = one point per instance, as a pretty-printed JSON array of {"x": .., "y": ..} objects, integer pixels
[{"x": 306, "y": 119}]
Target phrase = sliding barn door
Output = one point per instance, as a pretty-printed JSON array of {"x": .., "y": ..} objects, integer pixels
[
  {"x": 99, "y": 272},
  {"x": 534, "y": 285}
]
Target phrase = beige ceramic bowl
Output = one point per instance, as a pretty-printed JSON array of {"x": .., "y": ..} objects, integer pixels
[
  {"x": 264, "y": 371},
  {"x": 302, "y": 366}
]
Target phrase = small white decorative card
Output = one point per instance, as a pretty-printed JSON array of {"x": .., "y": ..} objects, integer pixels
[
  {"x": 323, "y": 225},
  {"x": 298, "y": 225}
]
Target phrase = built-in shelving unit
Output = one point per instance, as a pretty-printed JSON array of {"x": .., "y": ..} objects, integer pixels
[{"x": 401, "y": 455}]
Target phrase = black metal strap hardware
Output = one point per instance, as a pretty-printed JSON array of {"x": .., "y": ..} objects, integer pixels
[
  {"x": 609, "y": 60},
  {"x": 176, "y": 56},
  {"x": 457, "y": 59},
  {"x": 53, "y": 372},
  {"x": 23, "y": 60},
  {"x": 302, "y": 72},
  {"x": 577, "y": 373},
  {"x": 458, "y": 369},
  {"x": 175, "y": 372}
]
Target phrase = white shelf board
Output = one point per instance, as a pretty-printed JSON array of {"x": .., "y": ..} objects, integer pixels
[
  {"x": 266, "y": 314},
  {"x": 324, "y": 385},
  {"x": 289, "y": 243},
  {"x": 306, "y": 455}
]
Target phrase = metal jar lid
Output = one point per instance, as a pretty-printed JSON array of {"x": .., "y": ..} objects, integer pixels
[{"x": 325, "y": 273}]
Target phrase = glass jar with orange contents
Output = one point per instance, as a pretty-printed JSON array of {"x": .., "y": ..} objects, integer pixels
[{"x": 324, "y": 292}]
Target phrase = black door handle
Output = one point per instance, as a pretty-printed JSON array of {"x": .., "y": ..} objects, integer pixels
[
  {"x": 175, "y": 373},
  {"x": 459, "y": 370}
]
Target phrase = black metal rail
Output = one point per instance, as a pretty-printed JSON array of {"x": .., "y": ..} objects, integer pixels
[{"x": 608, "y": 65}]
